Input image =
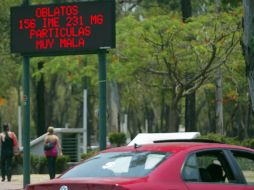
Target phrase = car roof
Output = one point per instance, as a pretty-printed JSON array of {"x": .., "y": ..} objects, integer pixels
[{"x": 175, "y": 147}]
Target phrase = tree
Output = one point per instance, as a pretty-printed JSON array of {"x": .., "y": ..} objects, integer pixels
[
  {"x": 171, "y": 48},
  {"x": 10, "y": 71}
]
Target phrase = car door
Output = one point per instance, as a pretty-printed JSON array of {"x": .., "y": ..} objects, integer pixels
[
  {"x": 210, "y": 170},
  {"x": 245, "y": 166}
]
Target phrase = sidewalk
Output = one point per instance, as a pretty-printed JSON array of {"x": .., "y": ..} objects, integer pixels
[{"x": 17, "y": 181}]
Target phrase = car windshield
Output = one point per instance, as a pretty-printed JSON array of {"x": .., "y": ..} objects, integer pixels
[{"x": 118, "y": 164}]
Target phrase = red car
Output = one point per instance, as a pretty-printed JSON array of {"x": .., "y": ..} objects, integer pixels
[{"x": 183, "y": 165}]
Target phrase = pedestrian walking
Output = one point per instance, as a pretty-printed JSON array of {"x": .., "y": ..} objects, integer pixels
[
  {"x": 52, "y": 148},
  {"x": 9, "y": 147}
]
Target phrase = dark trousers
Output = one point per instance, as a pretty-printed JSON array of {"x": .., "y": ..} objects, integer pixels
[
  {"x": 52, "y": 166},
  {"x": 6, "y": 167}
]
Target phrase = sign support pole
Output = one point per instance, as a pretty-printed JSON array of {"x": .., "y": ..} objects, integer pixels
[
  {"x": 26, "y": 116},
  {"x": 26, "y": 121},
  {"x": 102, "y": 100}
]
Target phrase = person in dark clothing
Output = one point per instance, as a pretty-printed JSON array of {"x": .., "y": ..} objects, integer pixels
[
  {"x": 8, "y": 141},
  {"x": 216, "y": 173}
]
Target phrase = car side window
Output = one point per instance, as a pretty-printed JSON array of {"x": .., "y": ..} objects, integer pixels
[
  {"x": 210, "y": 166},
  {"x": 245, "y": 161},
  {"x": 190, "y": 170}
]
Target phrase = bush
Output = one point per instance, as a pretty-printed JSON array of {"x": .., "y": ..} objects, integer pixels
[
  {"x": 117, "y": 139},
  {"x": 39, "y": 164},
  {"x": 221, "y": 138},
  {"x": 43, "y": 166},
  {"x": 62, "y": 163},
  {"x": 229, "y": 140},
  {"x": 35, "y": 164},
  {"x": 17, "y": 164},
  {"x": 248, "y": 143},
  {"x": 89, "y": 154}
]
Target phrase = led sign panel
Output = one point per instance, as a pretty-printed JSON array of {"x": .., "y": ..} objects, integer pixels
[{"x": 63, "y": 28}]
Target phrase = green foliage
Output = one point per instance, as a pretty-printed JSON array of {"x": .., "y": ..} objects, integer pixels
[
  {"x": 10, "y": 71},
  {"x": 117, "y": 139},
  {"x": 172, "y": 47},
  {"x": 62, "y": 163},
  {"x": 35, "y": 164},
  {"x": 17, "y": 164},
  {"x": 156, "y": 54},
  {"x": 161, "y": 53},
  {"x": 39, "y": 164},
  {"x": 248, "y": 143},
  {"x": 222, "y": 138},
  {"x": 89, "y": 154}
]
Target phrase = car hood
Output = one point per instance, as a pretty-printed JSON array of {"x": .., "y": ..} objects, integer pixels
[{"x": 114, "y": 183}]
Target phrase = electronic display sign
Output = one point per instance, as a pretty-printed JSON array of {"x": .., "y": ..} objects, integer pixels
[{"x": 63, "y": 28}]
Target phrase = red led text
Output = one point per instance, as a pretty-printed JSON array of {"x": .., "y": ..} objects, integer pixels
[
  {"x": 57, "y": 11},
  {"x": 96, "y": 19},
  {"x": 59, "y": 27}
]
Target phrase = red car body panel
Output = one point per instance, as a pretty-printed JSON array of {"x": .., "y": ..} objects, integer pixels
[
  {"x": 167, "y": 176},
  {"x": 206, "y": 186}
]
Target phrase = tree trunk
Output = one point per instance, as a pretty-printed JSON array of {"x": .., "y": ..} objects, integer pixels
[
  {"x": 163, "y": 109},
  {"x": 149, "y": 117},
  {"x": 186, "y": 9},
  {"x": 211, "y": 123},
  {"x": 219, "y": 90},
  {"x": 90, "y": 116},
  {"x": 50, "y": 97},
  {"x": 246, "y": 116},
  {"x": 113, "y": 96},
  {"x": 173, "y": 126},
  {"x": 249, "y": 120},
  {"x": 40, "y": 100},
  {"x": 64, "y": 116},
  {"x": 219, "y": 103},
  {"x": 190, "y": 112},
  {"x": 173, "y": 117},
  {"x": 166, "y": 116},
  {"x": 247, "y": 44},
  {"x": 190, "y": 99},
  {"x": 133, "y": 124}
]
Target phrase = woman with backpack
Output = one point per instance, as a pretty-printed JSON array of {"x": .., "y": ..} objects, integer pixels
[{"x": 51, "y": 148}]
